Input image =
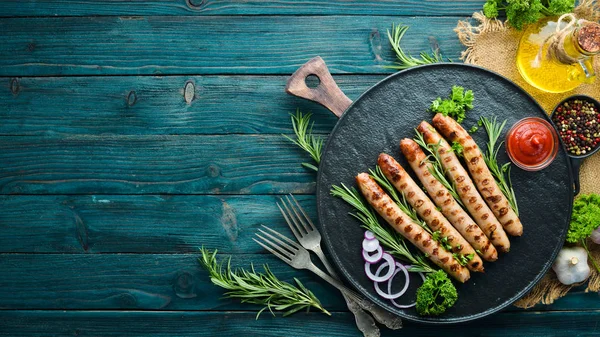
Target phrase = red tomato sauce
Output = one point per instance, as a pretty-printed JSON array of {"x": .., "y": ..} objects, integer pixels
[{"x": 531, "y": 142}]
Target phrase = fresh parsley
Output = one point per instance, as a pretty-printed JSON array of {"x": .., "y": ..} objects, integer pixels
[
  {"x": 584, "y": 220},
  {"x": 522, "y": 12},
  {"x": 436, "y": 294},
  {"x": 456, "y": 105},
  {"x": 457, "y": 148},
  {"x": 442, "y": 240}
]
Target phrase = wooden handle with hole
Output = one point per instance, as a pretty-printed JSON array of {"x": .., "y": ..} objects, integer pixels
[{"x": 327, "y": 93}]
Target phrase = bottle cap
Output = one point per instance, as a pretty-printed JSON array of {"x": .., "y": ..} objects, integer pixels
[{"x": 588, "y": 38}]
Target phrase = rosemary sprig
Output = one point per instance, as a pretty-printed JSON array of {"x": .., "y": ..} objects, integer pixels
[
  {"x": 437, "y": 169},
  {"x": 405, "y": 60},
  {"x": 305, "y": 138},
  {"x": 259, "y": 288},
  {"x": 393, "y": 241},
  {"x": 501, "y": 173}
]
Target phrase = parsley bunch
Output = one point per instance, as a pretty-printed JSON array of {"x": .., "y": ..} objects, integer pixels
[
  {"x": 522, "y": 12},
  {"x": 436, "y": 294},
  {"x": 456, "y": 105},
  {"x": 584, "y": 220}
]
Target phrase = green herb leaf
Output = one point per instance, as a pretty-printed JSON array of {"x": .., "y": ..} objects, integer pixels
[
  {"x": 457, "y": 148},
  {"x": 308, "y": 142},
  {"x": 456, "y": 105},
  {"x": 437, "y": 170},
  {"x": 405, "y": 60},
  {"x": 585, "y": 218},
  {"x": 258, "y": 288},
  {"x": 436, "y": 294},
  {"x": 501, "y": 173},
  {"x": 522, "y": 12}
]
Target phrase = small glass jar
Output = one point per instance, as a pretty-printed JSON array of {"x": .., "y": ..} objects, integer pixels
[{"x": 532, "y": 143}]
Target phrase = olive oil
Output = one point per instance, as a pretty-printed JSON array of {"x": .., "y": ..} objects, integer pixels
[{"x": 540, "y": 67}]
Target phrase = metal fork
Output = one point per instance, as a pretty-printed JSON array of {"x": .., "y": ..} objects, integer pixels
[
  {"x": 296, "y": 256},
  {"x": 310, "y": 238}
]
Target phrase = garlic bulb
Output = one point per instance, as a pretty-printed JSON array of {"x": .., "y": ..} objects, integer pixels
[
  {"x": 595, "y": 236},
  {"x": 571, "y": 265}
]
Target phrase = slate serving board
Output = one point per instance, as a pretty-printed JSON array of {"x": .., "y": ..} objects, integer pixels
[{"x": 390, "y": 111}]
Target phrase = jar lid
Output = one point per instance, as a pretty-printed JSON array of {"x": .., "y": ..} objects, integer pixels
[{"x": 588, "y": 38}]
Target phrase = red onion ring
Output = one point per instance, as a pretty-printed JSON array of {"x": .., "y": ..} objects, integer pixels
[
  {"x": 389, "y": 261},
  {"x": 389, "y": 295},
  {"x": 370, "y": 245},
  {"x": 369, "y": 235},
  {"x": 373, "y": 258},
  {"x": 406, "y": 306}
]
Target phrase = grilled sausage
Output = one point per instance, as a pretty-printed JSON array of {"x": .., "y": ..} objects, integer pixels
[
  {"x": 466, "y": 190},
  {"x": 426, "y": 209},
  {"x": 460, "y": 219},
  {"x": 388, "y": 209},
  {"x": 486, "y": 184}
]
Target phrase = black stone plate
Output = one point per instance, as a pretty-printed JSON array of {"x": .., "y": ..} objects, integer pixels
[{"x": 388, "y": 112}]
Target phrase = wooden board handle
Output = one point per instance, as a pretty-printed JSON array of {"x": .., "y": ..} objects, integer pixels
[{"x": 327, "y": 93}]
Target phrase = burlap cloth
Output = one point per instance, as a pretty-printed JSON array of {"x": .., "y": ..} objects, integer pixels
[{"x": 493, "y": 45}]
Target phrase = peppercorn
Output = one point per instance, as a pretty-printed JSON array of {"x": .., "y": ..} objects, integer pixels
[{"x": 579, "y": 125}]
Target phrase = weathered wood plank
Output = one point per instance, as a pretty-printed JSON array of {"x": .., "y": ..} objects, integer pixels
[
  {"x": 138, "y": 224},
  {"x": 155, "y": 282},
  {"x": 157, "y": 224},
  {"x": 236, "y": 7},
  {"x": 169, "y": 323},
  {"x": 131, "y": 281},
  {"x": 140, "y": 105},
  {"x": 209, "y": 45},
  {"x": 234, "y": 164}
]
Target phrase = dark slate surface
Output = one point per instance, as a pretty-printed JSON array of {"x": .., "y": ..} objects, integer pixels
[{"x": 388, "y": 112}]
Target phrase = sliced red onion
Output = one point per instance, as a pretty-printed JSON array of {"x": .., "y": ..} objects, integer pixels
[
  {"x": 370, "y": 245},
  {"x": 373, "y": 258},
  {"x": 403, "y": 306},
  {"x": 406, "y": 306},
  {"x": 389, "y": 261},
  {"x": 389, "y": 295},
  {"x": 369, "y": 235}
]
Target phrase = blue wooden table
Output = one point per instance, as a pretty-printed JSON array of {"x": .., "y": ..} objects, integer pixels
[{"x": 134, "y": 132}]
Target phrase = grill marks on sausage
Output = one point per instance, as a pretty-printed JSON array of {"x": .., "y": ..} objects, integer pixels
[
  {"x": 424, "y": 206},
  {"x": 466, "y": 189},
  {"x": 481, "y": 174},
  {"x": 406, "y": 227},
  {"x": 443, "y": 199}
]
